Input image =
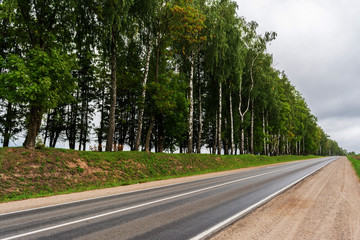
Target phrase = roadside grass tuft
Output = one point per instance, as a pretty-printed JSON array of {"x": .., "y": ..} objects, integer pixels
[{"x": 355, "y": 160}]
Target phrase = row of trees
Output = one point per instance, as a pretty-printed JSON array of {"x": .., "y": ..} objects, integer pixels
[{"x": 151, "y": 74}]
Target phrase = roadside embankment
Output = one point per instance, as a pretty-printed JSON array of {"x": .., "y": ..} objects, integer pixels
[{"x": 28, "y": 174}]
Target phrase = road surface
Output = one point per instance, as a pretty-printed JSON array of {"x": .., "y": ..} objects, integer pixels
[{"x": 192, "y": 210}]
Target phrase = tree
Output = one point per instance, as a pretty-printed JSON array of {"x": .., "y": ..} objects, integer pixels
[
  {"x": 180, "y": 69},
  {"x": 113, "y": 17},
  {"x": 186, "y": 26},
  {"x": 39, "y": 74},
  {"x": 42, "y": 80}
]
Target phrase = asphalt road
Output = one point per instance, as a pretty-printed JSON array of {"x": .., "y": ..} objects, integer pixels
[{"x": 191, "y": 210}]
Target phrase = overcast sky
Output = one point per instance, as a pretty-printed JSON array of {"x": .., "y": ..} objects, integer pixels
[{"x": 318, "y": 47}]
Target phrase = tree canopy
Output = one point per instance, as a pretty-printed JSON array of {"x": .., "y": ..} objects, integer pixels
[{"x": 154, "y": 75}]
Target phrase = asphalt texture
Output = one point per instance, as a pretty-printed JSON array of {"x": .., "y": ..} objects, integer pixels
[{"x": 180, "y": 211}]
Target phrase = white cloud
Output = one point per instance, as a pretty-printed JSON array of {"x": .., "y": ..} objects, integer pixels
[{"x": 318, "y": 47}]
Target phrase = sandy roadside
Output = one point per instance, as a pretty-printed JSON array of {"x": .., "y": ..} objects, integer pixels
[{"x": 325, "y": 205}]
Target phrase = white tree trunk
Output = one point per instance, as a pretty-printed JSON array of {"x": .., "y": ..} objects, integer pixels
[
  {"x": 267, "y": 135},
  {"x": 220, "y": 120},
  {"x": 143, "y": 95},
  {"x": 252, "y": 128},
  {"x": 191, "y": 107},
  {"x": 242, "y": 147},
  {"x": 231, "y": 125},
  {"x": 264, "y": 132},
  {"x": 216, "y": 133},
  {"x": 200, "y": 121},
  {"x": 111, "y": 128}
]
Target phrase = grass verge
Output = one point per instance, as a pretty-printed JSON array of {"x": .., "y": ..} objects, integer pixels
[
  {"x": 29, "y": 174},
  {"x": 355, "y": 160}
]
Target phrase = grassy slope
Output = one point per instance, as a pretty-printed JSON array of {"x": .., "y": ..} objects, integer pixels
[
  {"x": 355, "y": 160},
  {"x": 28, "y": 174}
]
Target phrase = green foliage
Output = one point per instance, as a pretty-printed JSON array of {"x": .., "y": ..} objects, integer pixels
[
  {"x": 355, "y": 160},
  {"x": 40, "y": 78},
  {"x": 186, "y": 24},
  {"x": 59, "y": 57}
]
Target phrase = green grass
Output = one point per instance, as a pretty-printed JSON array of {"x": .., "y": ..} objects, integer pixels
[
  {"x": 355, "y": 160},
  {"x": 28, "y": 174}
]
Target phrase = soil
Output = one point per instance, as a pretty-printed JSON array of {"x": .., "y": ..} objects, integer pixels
[{"x": 325, "y": 205}]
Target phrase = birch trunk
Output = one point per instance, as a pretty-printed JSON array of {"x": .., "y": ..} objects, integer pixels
[
  {"x": 264, "y": 132},
  {"x": 242, "y": 114},
  {"x": 86, "y": 124},
  {"x": 252, "y": 128},
  {"x": 200, "y": 121},
  {"x": 216, "y": 133},
  {"x": 191, "y": 107},
  {"x": 143, "y": 95},
  {"x": 242, "y": 136},
  {"x": 226, "y": 147},
  {"x": 111, "y": 129},
  {"x": 287, "y": 146},
  {"x": 231, "y": 125},
  {"x": 220, "y": 118},
  {"x": 267, "y": 134},
  {"x": 284, "y": 145}
]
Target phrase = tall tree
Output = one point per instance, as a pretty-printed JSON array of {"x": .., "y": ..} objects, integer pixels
[
  {"x": 41, "y": 75},
  {"x": 186, "y": 26},
  {"x": 113, "y": 17}
]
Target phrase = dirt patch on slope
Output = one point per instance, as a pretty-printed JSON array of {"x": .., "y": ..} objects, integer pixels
[{"x": 325, "y": 205}]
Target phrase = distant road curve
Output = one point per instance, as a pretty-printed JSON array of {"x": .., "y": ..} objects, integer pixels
[{"x": 191, "y": 210}]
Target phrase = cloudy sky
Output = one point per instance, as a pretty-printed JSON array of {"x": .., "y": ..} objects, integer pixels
[{"x": 318, "y": 47}]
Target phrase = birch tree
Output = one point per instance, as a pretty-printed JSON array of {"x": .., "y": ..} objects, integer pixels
[{"x": 186, "y": 26}]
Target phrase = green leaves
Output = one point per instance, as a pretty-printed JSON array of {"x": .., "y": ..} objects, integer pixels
[
  {"x": 39, "y": 78},
  {"x": 168, "y": 94}
]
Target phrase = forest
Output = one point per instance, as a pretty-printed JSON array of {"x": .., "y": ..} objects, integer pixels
[{"x": 186, "y": 76}]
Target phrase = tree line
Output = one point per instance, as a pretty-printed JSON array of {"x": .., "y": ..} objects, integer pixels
[{"x": 156, "y": 75}]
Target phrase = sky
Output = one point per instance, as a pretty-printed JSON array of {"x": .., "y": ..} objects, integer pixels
[{"x": 318, "y": 47}]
